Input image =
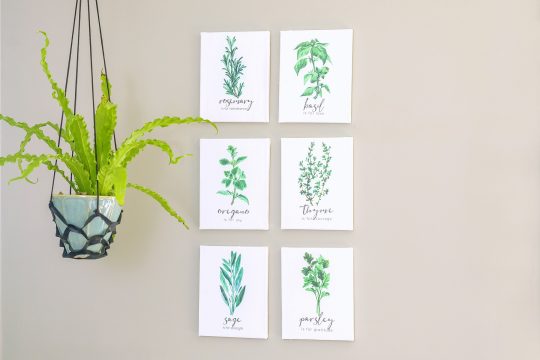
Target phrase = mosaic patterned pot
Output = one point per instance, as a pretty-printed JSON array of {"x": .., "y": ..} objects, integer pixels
[{"x": 84, "y": 232}]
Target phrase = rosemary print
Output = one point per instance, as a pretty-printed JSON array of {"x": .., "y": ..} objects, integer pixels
[
  {"x": 316, "y": 279},
  {"x": 234, "y": 178},
  {"x": 230, "y": 278},
  {"x": 314, "y": 174},
  {"x": 234, "y": 69},
  {"x": 314, "y": 54}
]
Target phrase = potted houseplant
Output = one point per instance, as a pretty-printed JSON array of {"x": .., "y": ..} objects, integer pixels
[{"x": 86, "y": 222}]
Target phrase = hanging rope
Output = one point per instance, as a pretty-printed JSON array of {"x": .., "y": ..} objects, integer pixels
[
  {"x": 65, "y": 91},
  {"x": 93, "y": 103},
  {"x": 76, "y": 81}
]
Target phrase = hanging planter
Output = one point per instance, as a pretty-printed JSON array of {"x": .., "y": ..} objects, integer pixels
[
  {"x": 83, "y": 231},
  {"x": 94, "y": 167}
]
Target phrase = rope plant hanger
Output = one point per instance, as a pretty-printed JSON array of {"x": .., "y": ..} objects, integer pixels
[{"x": 90, "y": 246}]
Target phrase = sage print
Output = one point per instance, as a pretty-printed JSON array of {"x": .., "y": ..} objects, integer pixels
[
  {"x": 234, "y": 69},
  {"x": 314, "y": 174},
  {"x": 234, "y": 178},
  {"x": 313, "y": 55},
  {"x": 230, "y": 277},
  {"x": 316, "y": 279}
]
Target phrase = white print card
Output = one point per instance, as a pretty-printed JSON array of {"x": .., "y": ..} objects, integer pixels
[
  {"x": 235, "y": 76},
  {"x": 233, "y": 292},
  {"x": 315, "y": 76},
  {"x": 317, "y": 183},
  {"x": 317, "y": 293},
  {"x": 234, "y": 183}
]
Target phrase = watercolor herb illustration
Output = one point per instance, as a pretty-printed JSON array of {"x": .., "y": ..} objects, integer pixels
[
  {"x": 314, "y": 174},
  {"x": 314, "y": 54},
  {"x": 316, "y": 279},
  {"x": 230, "y": 277},
  {"x": 234, "y": 69},
  {"x": 235, "y": 178}
]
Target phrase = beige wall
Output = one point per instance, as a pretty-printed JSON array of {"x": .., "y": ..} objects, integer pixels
[{"x": 447, "y": 176}]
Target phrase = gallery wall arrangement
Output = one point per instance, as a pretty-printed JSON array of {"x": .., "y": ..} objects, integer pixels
[{"x": 316, "y": 184}]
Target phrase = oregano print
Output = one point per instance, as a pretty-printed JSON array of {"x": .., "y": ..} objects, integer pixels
[
  {"x": 234, "y": 69},
  {"x": 316, "y": 279},
  {"x": 314, "y": 174},
  {"x": 231, "y": 273},
  {"x": 234, "y": 177},
  {"x": 313, "y": 55}
]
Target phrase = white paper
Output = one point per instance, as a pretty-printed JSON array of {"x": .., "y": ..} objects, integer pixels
[
  {"x": 217, "y": 315},
  {"x": 242, "y": 202},
  {"x": 323, "y": 310},
  {"x": 235, "y": 68},
  {"x": 315, "y": 76},
  {"x": 317, "y": 183}
]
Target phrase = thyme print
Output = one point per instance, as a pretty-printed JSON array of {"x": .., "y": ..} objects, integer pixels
[
  {"x": 313, "y": 53},
  {"x": 316, "y": 279},
  {"x": 230, "y": 277},
  {"x": 314, "y": 174},
  {"x": 234, "y": 69},
  {"x": 235, "y": 178}
]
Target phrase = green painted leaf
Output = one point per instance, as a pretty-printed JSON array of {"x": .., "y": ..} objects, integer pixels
[
  {"x": 243, "y": 198},
  {"x": 309, "y": 91},
  {"x": 224, "y": 162},
  {"x": 302, "y": 51},
  {"x": 300, "y": 64},
  {"x": 238, "y": 279},
  {"x": 224, "y": 192},
  {"x": 224, "y": 296},
  {"x": 226, "y": 265},
  {"x": 226, "y": 276},
  {"x": 308, "y": 77},
  {"x": 320, "y": 52},
  {"x": 237, "y": 263},
  {"x": 302, "y": 44},
  {"x": 240, "y": 159},
  {"x": 240, "y": 296},
  {"x": 240, "y": 184}
]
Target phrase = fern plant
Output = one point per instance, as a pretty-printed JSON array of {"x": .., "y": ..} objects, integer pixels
[{"x": 80, "y": 161}]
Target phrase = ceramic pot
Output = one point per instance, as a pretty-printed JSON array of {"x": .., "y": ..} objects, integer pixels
[{"x": 84, "y": 232}]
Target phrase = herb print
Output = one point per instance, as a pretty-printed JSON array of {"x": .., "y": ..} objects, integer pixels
[
  {"x": 230, "y": 277},
  {"x": 316, "y": 279},
  {"x": 234, "y": 69},
  {"x": 314, "y": 54},
  {"x": 314, "y": 174},
  {"x": 235, "y": 177}
]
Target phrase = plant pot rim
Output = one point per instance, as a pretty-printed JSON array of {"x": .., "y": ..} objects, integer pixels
[{"x": 75, "y": 196}]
